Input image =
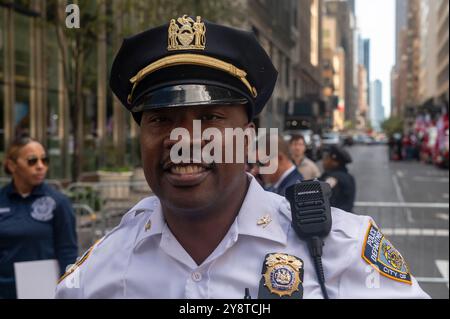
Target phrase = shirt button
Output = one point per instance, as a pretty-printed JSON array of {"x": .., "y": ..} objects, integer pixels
[{"x": 196, "y": 276}]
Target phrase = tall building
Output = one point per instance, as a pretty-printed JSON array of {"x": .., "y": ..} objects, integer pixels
[
  {"x": 442, "y": 57},
  {"x": 366, "y": 62},
  {"x": 420, "y": 77},
  {"x": 407, "y": 69},
  {"x": 275, "y": 24},
  {"x": 363, "y": 83},
  {"x": 352, "y": 6},
  {"x": 290, "y": 31},
  {"x": 399, "y": 71},
  {"x": 401, "y": 23},
  {"x": 334, "y": 72},
  {"x": 342, "y": 12},
  {"x": 376, "y": 105},
  {"x": 428, "y": 50},
  {"x": 363, "y": 106}
]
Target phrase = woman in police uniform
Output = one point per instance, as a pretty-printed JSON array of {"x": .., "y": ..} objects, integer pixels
[
  {"x": 343, "y": 185},
  {"x": 36, "y": 221}
]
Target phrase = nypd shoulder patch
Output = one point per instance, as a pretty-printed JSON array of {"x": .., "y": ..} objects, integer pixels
[
  {"x": 80, "y": 261},
  {"x": 378, "y": 252}
]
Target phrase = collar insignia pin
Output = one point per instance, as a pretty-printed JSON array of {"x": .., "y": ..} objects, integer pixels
[{"x": 264, "y": 221}]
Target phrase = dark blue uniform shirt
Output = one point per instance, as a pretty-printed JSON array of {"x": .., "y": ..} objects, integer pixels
[
  {"x": 344, "y": 193},
  {"x": 293, "y": 178},
  {"x": 38, "y": 227}
]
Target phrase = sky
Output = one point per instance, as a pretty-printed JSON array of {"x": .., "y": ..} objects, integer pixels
[{"x": 376, "y": 21}]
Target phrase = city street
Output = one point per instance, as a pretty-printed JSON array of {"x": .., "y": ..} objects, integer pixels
[{"x": 409, "y": 201}]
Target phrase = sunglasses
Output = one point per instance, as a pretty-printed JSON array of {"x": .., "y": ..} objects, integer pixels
[{"x": 32, "y": 161}]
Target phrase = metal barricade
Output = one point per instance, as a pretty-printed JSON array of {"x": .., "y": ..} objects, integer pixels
[
  {"x": 106, "y": 203},
  {"x": 86, "y": 226}
]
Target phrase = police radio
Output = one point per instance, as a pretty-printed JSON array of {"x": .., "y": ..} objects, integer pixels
[{"x": 311, "y": 219}]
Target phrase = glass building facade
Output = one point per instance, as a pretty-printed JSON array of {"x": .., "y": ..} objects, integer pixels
[{"x": 33, "y": 92}]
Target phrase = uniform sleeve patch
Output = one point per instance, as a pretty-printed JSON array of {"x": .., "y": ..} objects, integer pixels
[
  {"x": 80, "y": 261},
  {"x": 381, "y": 254}
]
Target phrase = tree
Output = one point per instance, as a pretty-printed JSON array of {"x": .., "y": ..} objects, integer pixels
[{"x": 392, "y": 125}]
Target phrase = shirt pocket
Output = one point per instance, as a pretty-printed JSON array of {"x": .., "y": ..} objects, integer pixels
[{"x": 5, "y": 212}]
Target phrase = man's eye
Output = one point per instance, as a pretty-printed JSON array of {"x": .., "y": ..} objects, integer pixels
[
  {"x": 210, "y": 117},
  {"x": 158, "y": 119}
]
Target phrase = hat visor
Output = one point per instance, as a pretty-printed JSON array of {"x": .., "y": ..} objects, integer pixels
[{"x": 189, "y": 95}]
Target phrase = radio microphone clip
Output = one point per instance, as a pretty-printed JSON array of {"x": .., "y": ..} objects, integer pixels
[{"x": 311, "y": 219}]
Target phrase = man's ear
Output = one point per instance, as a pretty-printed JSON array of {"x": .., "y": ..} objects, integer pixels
[{"x": 250, "y": 125}]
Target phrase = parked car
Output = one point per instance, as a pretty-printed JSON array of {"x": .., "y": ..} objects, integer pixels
[
  {"x": 331, "y": 138},
  {"x": 363, "y": 139},
  {"x": 347, "y": 140}
]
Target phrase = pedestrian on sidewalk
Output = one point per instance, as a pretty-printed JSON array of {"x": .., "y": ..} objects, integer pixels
[
  {"x": 36, "y": 221},
  {"x": 286, "y": 173},
  {"x": 305, "y": 166}
]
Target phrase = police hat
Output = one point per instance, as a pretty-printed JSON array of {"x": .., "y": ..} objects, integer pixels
[
  {"x": 191, "y": 61},
  {"x": 338, "y": 154}
]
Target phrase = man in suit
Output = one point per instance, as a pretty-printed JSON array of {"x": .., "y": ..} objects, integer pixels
[{"x": 286, "y": 173}]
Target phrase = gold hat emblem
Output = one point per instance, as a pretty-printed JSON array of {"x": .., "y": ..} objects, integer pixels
[{"x": 187, "y": 34}]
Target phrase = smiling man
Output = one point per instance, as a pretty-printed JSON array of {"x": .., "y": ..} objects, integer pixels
[{"x": 211, "y": 228}]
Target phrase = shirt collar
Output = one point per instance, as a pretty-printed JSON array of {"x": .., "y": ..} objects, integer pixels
[
  {"x": 259, "y": 215},
  {"x": 258, "y": 206},
  {"x": 37, "y": 191},
  {"x": 154, "y": 224},
  {"x": 285, "y": 174}
]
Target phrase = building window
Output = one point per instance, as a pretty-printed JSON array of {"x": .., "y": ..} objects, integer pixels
[
  {"x": 22, "y": 111},
  {"x": 2, "y": 107},
  {"x": 295, "y": 14},
  {"x": 287, "y": 73},
  {"x": 314, "y": 33},
  {"x": 53, "y": 107},
  {"x": 22, "y": 76},
  {"x": 22, "y": 48}
]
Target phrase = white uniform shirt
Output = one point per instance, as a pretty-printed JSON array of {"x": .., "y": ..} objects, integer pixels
[{"x": 141, "y": 258}]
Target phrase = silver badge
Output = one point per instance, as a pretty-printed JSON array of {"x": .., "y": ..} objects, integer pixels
[{"x": 42, "y": 208}]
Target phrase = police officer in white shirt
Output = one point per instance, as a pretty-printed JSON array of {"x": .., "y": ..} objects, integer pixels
[{"x": 212, "y": 231}]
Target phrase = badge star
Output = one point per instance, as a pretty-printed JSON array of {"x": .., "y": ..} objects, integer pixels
[{"x": 264, "y": 221}]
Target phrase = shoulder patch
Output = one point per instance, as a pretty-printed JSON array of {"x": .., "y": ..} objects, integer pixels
[
  {"x": 331, "y": 181},
  {"x": 80, "y": 261},
  {"x": 378, "y": 252}
]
